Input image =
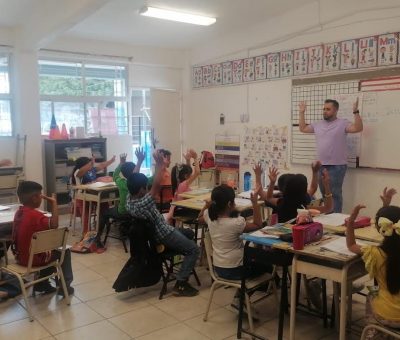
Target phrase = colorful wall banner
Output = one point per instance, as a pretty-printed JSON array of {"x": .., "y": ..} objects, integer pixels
[{"x": 373, "y": 51}]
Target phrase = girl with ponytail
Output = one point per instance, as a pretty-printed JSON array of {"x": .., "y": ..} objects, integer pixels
[
  {"x": 225, "y": 227},
  {"x": 382, "y": 262}
]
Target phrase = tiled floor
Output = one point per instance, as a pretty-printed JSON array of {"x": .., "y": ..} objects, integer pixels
[{"x": 97, "y": 312}]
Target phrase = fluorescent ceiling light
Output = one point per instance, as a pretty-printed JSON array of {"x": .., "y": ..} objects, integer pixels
[{"x": 177, "y": 16}]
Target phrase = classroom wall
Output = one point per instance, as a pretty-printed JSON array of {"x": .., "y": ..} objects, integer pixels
[
  {"x": 268, "y": 102},
  {"x": 148, "y": 67}
]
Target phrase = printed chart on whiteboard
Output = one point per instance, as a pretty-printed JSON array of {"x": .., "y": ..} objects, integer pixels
[{"x": 346, "y": 93}]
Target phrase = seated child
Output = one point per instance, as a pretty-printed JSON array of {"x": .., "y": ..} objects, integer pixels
[
  {"x": 121, "y": 173},
  {"x": 182, "y": 176},
  {"x": 295, "y": 195},
  {"x": 382, "y": 262},
  {"x": 27, "y": 221},
  {"x": 85, "y": 172},
  {"x": 225, "y": 228},
  {"x": 141, "y": 204},
  {"x": 167, "y": 195}
]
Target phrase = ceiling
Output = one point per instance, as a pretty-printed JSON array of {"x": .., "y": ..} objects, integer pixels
[{"x": 119, "y": 21}]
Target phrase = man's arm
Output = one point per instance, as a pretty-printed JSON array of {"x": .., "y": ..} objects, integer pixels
[
  {"x": 357, "y": 125},
  {"x": 306, "y": 128}
]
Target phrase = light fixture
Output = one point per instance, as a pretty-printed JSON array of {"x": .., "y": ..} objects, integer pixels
[{"x": 177, "y": 16}]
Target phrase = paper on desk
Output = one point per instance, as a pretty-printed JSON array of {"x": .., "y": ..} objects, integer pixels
[
  {"x": 4, "y": 207},
  {"x": 97, "y": 185},
  {"x": 334, "y": 219},
  {"x": 259, "y": 233},
  {"x": 339, "y": 246},
  {"x": 246, "y": 194},
  {"x": 242, "y": 202},
  {"x": 199, "y": 191}
]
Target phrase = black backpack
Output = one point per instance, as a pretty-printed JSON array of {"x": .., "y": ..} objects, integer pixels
[{"x": 144, "y": 267}]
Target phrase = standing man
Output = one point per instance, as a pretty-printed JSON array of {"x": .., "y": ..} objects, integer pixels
[{"x": 330, "y": 135}]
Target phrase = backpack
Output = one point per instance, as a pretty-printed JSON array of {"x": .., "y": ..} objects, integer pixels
[
  {"x": 143, "y": 269},
  {"x": 207, "y": 160},
  {"x": 87, "y": 245}
]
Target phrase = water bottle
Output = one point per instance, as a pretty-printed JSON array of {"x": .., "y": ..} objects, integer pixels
[{"x": 247, "y": 181}]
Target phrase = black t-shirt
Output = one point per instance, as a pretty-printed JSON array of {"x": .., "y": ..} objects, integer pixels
[{"x": 288, "y": 211}]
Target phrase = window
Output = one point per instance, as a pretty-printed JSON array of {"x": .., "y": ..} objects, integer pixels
[
  {"x": 141, "y": 125},
  {"x": 78, "y": 94},
  {"x": 6, "y": 122}
]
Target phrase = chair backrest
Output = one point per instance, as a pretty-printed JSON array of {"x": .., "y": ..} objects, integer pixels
[
  {"x": 48, "y": 240},
  {"x": 209, "y": 251}
]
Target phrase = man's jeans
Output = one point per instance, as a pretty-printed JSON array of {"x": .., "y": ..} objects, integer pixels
[
  {"x": 176, "y": 241},
  {"x": 336, "y": 174}
]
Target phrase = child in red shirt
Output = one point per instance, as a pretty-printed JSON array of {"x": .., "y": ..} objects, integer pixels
[{"x": 27, "y": 221}]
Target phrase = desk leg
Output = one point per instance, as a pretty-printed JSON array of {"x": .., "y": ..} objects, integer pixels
[
  {"x": 98, "y": 211},
  {"x": 293, "y": 287},
  {"x": 284, "y": 302},
  {"x": 242, "y": 292},
  {"x": 343, "y": 304}
]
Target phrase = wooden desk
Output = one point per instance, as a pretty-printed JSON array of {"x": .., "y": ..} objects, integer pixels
[
  {"x": 7, "y": 216},
  {"x": 195, "y": 193},
  {"x": 98, "y": 195},
  {"x": 368, "y": 233},
  {"x": 340, "y": 269}
]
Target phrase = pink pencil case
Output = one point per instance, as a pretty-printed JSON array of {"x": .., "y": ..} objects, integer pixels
[{"x": 360, "y": 222}]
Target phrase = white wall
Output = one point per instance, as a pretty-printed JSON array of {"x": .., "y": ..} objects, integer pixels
[
  {"x": 268, "y": 102},
  {"x": 148, "y": 67}
]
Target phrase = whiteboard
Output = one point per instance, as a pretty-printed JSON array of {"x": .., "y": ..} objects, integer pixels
[{"x": 381, "y": 138}]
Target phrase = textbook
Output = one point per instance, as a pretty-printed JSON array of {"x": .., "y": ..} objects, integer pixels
[{"x": 277, "y": 230}]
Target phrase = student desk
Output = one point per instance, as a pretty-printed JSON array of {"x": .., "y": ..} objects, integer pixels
[
  {"x": 94, "y": 194},
  {"x": 195, "y": 193},
  {"x": 340, "y": 269}
]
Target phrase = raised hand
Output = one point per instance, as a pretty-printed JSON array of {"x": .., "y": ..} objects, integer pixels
[
  {"x": 273, "y": 174},
  {"x": 187, "y": 156},
  {"x": 158, "y": 158},
  {"x": 315, "y": 166},
  {"x": 257, "y": 169},
  {"x": 302, "y": 107},
  {"x": 122, "y": 158},
  {"x": 51, "y": 199},
  {"x": 193, "y": 153},
  {"x": 354, "y": 214},
  {"x": 112, "y": 160},
  {"x": 387, "y": 196},
  {"x": 140, "y": 154},
  {"x": 254, "y": 197}
]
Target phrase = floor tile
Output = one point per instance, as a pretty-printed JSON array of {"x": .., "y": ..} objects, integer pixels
[
  {"x": 221, "y": 323},
  {"x": 178, "y": 306},
  {"x": 61, "y": 320},
  {"x": 23, "y": 329},
  {"x": 116, "y": 304},
  {"x": 222, "y": 296},
  {"x": 93, "y": 290},
  {"x": 143, "y": 321},
  {"x": 11, "y": 310},
  {"x": 85, "y": 275},
  {"x": 175, "y": 332},
  {"x": 102, "y": 330},
  {"x": 109, "y": 270}
]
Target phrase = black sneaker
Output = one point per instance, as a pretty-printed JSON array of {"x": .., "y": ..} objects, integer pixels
[
  {"x": 43, "y": 288},
  {"x": 183, "y": 288},
  {"x": 70, "y": 289}
]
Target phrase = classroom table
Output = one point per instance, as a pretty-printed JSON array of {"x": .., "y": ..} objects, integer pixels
[
  {"x": 195, "y": 193},
  {"x": 339, "y": 268},
  {"x": 279, "y": 255},
  {"x": 94, "y": 194}
]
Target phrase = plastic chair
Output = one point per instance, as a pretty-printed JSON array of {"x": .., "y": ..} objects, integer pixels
[
  {"x": 251, "y": 284},
  {"x": 395, "y": 333},
  {"x": 41, "y": 242}
]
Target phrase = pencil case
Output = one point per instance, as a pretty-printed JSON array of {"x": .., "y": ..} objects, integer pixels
[{"x": 360, "y": 222}]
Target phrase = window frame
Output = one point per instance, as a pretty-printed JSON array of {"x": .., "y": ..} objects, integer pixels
[
  {"x": 9, "y": 96},
  {"x": 85, "y": 99}
]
